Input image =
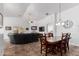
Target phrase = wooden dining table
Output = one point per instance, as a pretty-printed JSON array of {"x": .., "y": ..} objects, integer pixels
[{"x": 53, "y": 39}]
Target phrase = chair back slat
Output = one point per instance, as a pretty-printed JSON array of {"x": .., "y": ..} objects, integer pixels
[{"x": 50, "y": 34}]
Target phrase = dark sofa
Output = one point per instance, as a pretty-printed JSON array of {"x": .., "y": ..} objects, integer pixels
[{"x": 23, "y": 38}]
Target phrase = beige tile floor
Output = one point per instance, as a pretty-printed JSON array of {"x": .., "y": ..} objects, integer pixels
[{"x": 33, "y": 49}]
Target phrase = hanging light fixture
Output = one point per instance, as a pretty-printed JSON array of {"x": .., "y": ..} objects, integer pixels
[
  {"x": 59, "y": 21},
  {"x": 47, "y": 14},
  {"x": 30, "y": 18}
]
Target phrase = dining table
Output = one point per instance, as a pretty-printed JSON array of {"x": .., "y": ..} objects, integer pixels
[{"x": 54, "y": 39}]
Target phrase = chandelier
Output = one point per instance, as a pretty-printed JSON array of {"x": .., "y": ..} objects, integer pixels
[
  {"x": 59, "y": 21},
  {"x": 30, "y": 18}
]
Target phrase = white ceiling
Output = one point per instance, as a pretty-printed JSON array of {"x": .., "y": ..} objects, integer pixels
[
  {"x": 14, "y": 9},
  {"x": 1, "y": 7},
  {"x": 51, "y": 8},
  {"x": 18, "y": 9}
]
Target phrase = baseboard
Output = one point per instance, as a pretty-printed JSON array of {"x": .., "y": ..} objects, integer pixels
[
  {"x": 74, "y": 44},
  {"x": 7, "y": 40}
]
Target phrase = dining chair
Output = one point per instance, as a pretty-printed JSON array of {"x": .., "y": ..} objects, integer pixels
[
  {"x": 50, "y": 34},
  {"x": 68, "y": 38},
  {"x": 61, "y": 46},
  {"x": 64, "y": 35},
  {"x": 46, "y": 47}
]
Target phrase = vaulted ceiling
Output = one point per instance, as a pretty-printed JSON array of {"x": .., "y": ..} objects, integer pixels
[
  {"x": 14, "y": 9},
  {"x": 18, "y": 9}
]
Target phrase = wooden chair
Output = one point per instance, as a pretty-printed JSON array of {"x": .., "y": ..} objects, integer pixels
[
  {"x": 46, "y": 46},
  {"x": 50, "y": 34},
  {"x": 66, "y": 36},
  {"x": 42, "y": 40},
  {"x": 61, "y": 46}
]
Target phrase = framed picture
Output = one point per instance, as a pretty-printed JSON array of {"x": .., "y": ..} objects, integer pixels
[
  {"x": 8, "y": 28},
  {"x": 41, "y": 29},
  {"x": 34, "y": 28}
]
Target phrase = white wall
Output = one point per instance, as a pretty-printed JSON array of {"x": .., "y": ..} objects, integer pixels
[
  {"x": 73, "y": 15},
  {"x": 49, "y": 20},
  {"x": 13, "y": 21},
  {"x": 17, "y": 21}
]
